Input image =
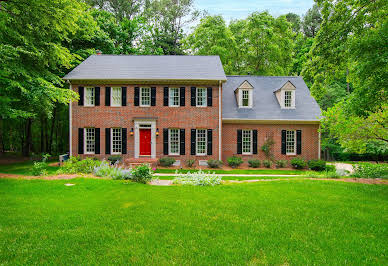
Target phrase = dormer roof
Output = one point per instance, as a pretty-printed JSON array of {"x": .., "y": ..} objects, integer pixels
[
  {"x": 286, "y": 86},
  {"x": 245, "y": 85}
]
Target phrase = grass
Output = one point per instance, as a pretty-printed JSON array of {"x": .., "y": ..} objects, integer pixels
[
  {"x": 24, "y": 168},
  {"x": 114, "y": 222},
  {"x": 242, "y": 177},
  {"x": 235, "y": 171}
]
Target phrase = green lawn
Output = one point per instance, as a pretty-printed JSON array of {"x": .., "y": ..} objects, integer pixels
[
  {"x": 242, "y": 177},
  {"x": 24, "y": 168},
  {"x": 114, "y": 222},
  {"x": 236, "y": 171}
]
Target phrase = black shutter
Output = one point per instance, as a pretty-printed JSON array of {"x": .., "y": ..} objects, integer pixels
[
  {"x": 153, "y": 96},
  {"x": 193, "y": 96},
  {"x": 182, "y": 142},
  {"x": 123, "y": 96},
  {"x": 210, "y": 96},
  {"x": 284, "y": 141},
  {"x": 182, "y": 96},
  {"x": 209, "y": 142},
  {"x": 80, "y": 141},
  {"x": 97, "y": 96},
  {"x": 136, "y": 100},
  {"x": 193, "y": 141},
  {"x": 239, "y": 141},
  {"x": 97, "y": 141},
  {"x": 254, "y": 132},
  {"x": 124, "y": 141},
  {"x": 107, "y": 96},
  {"x": 165, "y": 141},
  {"x": 298, "y": 141},
  {"x": 165, "y": 96},
  {"x": 81, "y": 95},
  {"x": 107, "y": 140}
]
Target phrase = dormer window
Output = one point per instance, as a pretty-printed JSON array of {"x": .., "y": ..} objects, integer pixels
[
  {"x": 244, "y": 95},
  {"x": 286, "y": 95},
  {"x": 245, "y": 98},
  {"x": 287, "y": 99}
]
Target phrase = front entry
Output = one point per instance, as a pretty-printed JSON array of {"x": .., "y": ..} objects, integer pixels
[{"x": 145, "y": 142}]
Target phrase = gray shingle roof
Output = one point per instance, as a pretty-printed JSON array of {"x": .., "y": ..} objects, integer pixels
[
  {"x": 148, "y": 67},
  {"x": 265, "y": 105}
]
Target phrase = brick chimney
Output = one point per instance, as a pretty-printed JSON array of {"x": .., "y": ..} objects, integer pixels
[{"x": 98, "y": 52}]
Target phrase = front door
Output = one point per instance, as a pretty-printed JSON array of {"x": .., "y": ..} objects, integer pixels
[{"x": 145, "y": 142}]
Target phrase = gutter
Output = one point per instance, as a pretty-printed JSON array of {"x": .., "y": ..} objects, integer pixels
[
  {"x": 268, "y": 121},
  {"x": 70, "y": 125},
  {"x": 220, "y": 120}
]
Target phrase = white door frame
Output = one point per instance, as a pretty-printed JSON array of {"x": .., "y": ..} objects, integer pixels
[{"x": 138, "y": 124}]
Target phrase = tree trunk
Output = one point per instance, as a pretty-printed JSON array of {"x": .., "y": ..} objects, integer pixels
[
  {"x": 27, "y": 144},
  {"x": 41, "y": 135},
  {"x": 52, "y": 129},
  {"x": 1, "y": 137}
]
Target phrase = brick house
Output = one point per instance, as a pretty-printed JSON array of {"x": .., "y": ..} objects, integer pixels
[{"x": 147, "y": 107}]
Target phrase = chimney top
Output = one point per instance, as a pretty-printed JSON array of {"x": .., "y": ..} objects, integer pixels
[{"x": 98, "y": 52}]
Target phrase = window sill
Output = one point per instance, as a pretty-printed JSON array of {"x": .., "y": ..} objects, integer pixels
[
  {"x": 290, "y": 154},
  {"x": 144, "y": 105},
  {"x": 174, "y": 155},
  {"x": 174, "y": 106},
  {"x": 201, "y": 106},
  {"x": 201, "y": 155}
]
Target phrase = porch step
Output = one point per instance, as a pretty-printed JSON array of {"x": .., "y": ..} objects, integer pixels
[{"x": 134, "y": 162}]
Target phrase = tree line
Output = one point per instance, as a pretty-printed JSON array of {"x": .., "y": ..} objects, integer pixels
[{"x": 339, "y": 47}]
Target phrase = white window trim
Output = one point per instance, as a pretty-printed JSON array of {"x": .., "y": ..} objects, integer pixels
[
  {"x": 85, "y": 96},
  {"x": 251, "y": 144},
  {"x": 291, "y": 153},
  {"x": 140, "y": 97},
  {"x": 240, "y": 99},
  {"x": 196, "y": 97},
  {"x": 111, "y": 142},
  {"x": 169, "y": 142},
  {"x": 196, "y": 143},
  {"x": 85, "y": 138},
  {"x": 170, "y": 102},
  {"x": 111, "y": 97},
  {"x": 292, "y": 99}
]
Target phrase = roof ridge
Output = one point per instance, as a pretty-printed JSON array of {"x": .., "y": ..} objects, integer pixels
[
  {"x": 154, "y": 55},
  {"x": 263, "y": 76}
]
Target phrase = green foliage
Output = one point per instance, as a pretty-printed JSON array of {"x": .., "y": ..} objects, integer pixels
[
  {"x": 166, "y": 161},
  {"x": 298, "y": 163},
  {"x": 254, "y": 163},
  {"x": 312, "y": 21},
  {"x": 295, "y": 21},
  {"x": 39, "y": 168},
  {"x": 199, "y": 178},
  {"x": 317, "y": 165},
  {"x": 370, "y": 170},
  {"x": 267, "y": 148},
  {"x": 76, "y": 166},
  {"x": 330, "y": 168},
  {"x": 114, "y": 172},
  {"x": 115, "y": 159},
  {"x": 214, "y": 163},
  {"x": 142, "y": 174},
  {"x": 190, "y": 162},
  {"x": 234, "y": 161},
  {"x": 281, "y": 163},
  {"x": 267, "y": 163},
  {"x": 322, "y": 174}
]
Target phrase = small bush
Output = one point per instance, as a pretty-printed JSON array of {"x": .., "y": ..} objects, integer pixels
[
  {"x": 330, "y": 168},
  {"x": 114, "y": 159},
  {"x": 39, "y": 168},
  {"x": 267, "y": 163},
  {"x": 214, "y": 163},
  {"x": 317, "y": 165},
  {"x": 166, "y": 161},
  {"x": 142, "y": 174},
  {"x": 235, "y": 161},
  {"x": 298, "y": 163},
  {"x": 114, "y": 172},
  {"x": 254, "y": 163},
  {"x": 190, "y": 162},
  {"x": 74, "y": 165},
  {"x": 281, "y": 163},
  {"x": 370, "y": 170},
  {"x": 199, "y": 178}
]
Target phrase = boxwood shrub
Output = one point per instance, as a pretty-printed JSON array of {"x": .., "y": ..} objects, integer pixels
[
  {"x": 298, "y": 163},
  {"x": 214, "y": 163},
  {"x": 254, "y": 163},
  {"x": 317, "y": 165},
  {"x": 166, "y": 161},
  {"x": 235, "y": 161}
]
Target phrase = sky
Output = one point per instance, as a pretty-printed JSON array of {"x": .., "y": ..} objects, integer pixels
[{"x": 237, "y": 9}]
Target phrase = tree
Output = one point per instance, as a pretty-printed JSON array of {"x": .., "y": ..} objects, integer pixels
[
  {"x": 294, "y": 19},
  {"x": 121, "y": 9},
  {"x": 312, "y": 21}
]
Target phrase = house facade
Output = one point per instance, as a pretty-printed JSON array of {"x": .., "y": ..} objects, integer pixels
[{"x": 148, "y": 107}]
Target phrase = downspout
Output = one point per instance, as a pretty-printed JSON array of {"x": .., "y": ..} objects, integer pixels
[
  {"x": 70, "y": 125},
  {"x": 220, "y": 120},
  {"x": 319, "y": 141}
]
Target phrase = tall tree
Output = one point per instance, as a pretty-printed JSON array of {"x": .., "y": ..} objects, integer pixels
[
  {"x": 294, "y": 19},
  {"x": 312, "y": 21}
]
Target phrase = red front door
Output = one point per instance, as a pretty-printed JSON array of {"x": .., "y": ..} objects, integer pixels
[{"x": 145, "y": 141}]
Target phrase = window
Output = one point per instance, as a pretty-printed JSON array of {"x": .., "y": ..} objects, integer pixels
[
  {"x": 245, "y": 101},
  {"x": 116, "y": 96},
  {"x": 173, "y": 142},
  {"x": 247, "y": 141},
  {"x": 290, "y": 142},
  {"x": 90, "y": 141},
  {"x": 287, "y": 98},
  {"x": 174, "y": 97},
  {"x": 201, "y": 142},
  {"x": 116, "y": 140},
  {"x": 145, "y": 97},
  {"x": 201, "y": 97},
  {"x": 89, "y": 96}
]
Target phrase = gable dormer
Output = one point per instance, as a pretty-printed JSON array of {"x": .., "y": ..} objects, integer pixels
[
  {"x": 244, "y": 94},
  {"x": 286, "y": 95}
]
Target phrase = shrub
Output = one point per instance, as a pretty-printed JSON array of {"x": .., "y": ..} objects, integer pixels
[
  {"x": 114, "y": 172},
  {"x": 370, "y": 170},
  {"x": 39, "y": 168},
  {"x": 214, "y": 163},
  {"x": 235, "y": 161},
  {"x": 74, "y": 165},
  {"x": 166, "y": 161},
  {"x": 254, "y": 163},
  {"x": 267, "y": 163},
  {"x": 190, "y": 162},
  {"x": 298, "y": 163},
  {"x": 330, "y": 168},
  {"x": 114, "y": 159},
  {"x": 199, "y": 178},
  {"x": 142, "y": 174},
  {"x": 317, "y": 165},
  {"x": 281, "y": 163}
]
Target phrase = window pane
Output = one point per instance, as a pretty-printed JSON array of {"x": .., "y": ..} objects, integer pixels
[
  {"x": 290, "y": 142},
  {"x": 174, "y": 97},
  {"x": 116, "y": 97},
  {"x": 201, "y": 97},
  {"x": 245, "y": 98},
  {"x": 246, "y": 141},
  {"x": 287, "y": 98},
  {"x": 201, "y": 141},
  {"x": 89, "y": 96},
  {"x": 174, "y": 141},
  {"x": 89, "y": 140},
  {"x": 116, "y": 140},
  {"x": 145, "y": 96}
]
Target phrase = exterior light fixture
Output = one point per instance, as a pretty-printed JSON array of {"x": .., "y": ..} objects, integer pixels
[
  {"x": 157, "y": 132},
  {"x": 131, "y": 132}
]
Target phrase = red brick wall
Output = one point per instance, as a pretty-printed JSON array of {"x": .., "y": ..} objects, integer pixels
[
  {"x": 186, "y": 117},
  {"x": 310, "y": 140}
]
